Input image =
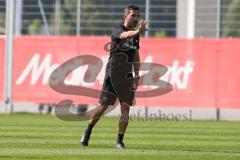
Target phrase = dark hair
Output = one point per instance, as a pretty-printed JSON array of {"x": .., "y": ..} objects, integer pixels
[{"x": 130, "y": 7}]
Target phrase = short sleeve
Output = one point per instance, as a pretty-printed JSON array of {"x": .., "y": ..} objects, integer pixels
[{"x": 117, "y": 32}]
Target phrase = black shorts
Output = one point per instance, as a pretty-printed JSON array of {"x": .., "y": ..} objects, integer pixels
[{"x": 118, "y": 83}]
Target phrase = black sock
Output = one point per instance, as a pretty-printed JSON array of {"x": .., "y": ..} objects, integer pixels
[
  {"x": 88, "y": 131},
  {"x": 120, "y": 138}
]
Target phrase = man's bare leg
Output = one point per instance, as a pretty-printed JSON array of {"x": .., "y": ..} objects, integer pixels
[
  {"x": 97, "y": 114},
  {"x": 92, "y": 121},
  {"x": 123, "y": 123}
]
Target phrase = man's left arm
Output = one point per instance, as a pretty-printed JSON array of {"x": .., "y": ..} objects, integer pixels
[{"x": 136, "y": 64}]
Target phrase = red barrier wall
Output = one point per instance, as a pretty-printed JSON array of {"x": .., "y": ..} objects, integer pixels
[{"x": 204, "y": 72}]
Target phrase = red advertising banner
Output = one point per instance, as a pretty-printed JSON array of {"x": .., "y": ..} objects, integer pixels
[
  {"x": 228, "y": 75},
  {"x": 203, "y": 72}
]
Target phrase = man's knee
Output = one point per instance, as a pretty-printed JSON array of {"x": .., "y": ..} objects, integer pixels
[{"x": 125, "y": 108}]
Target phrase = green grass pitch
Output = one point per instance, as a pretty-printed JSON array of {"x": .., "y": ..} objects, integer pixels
[{"x": 27, "y": 137}]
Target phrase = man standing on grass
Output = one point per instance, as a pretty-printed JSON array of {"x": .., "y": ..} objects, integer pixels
[{"x": 119, "y": 81}]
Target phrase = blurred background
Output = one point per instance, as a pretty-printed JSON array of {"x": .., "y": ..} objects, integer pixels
[
  {"x": 171, "y": 22},
  {"x": 167, "y": 18}
]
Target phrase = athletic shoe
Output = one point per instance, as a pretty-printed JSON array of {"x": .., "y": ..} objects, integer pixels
[
  {"x": 120, "y": 145},
  {"x": 84, "y": 140}
]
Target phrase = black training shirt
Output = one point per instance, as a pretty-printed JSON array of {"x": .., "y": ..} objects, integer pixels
[{"x": 126, "y": 46}]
